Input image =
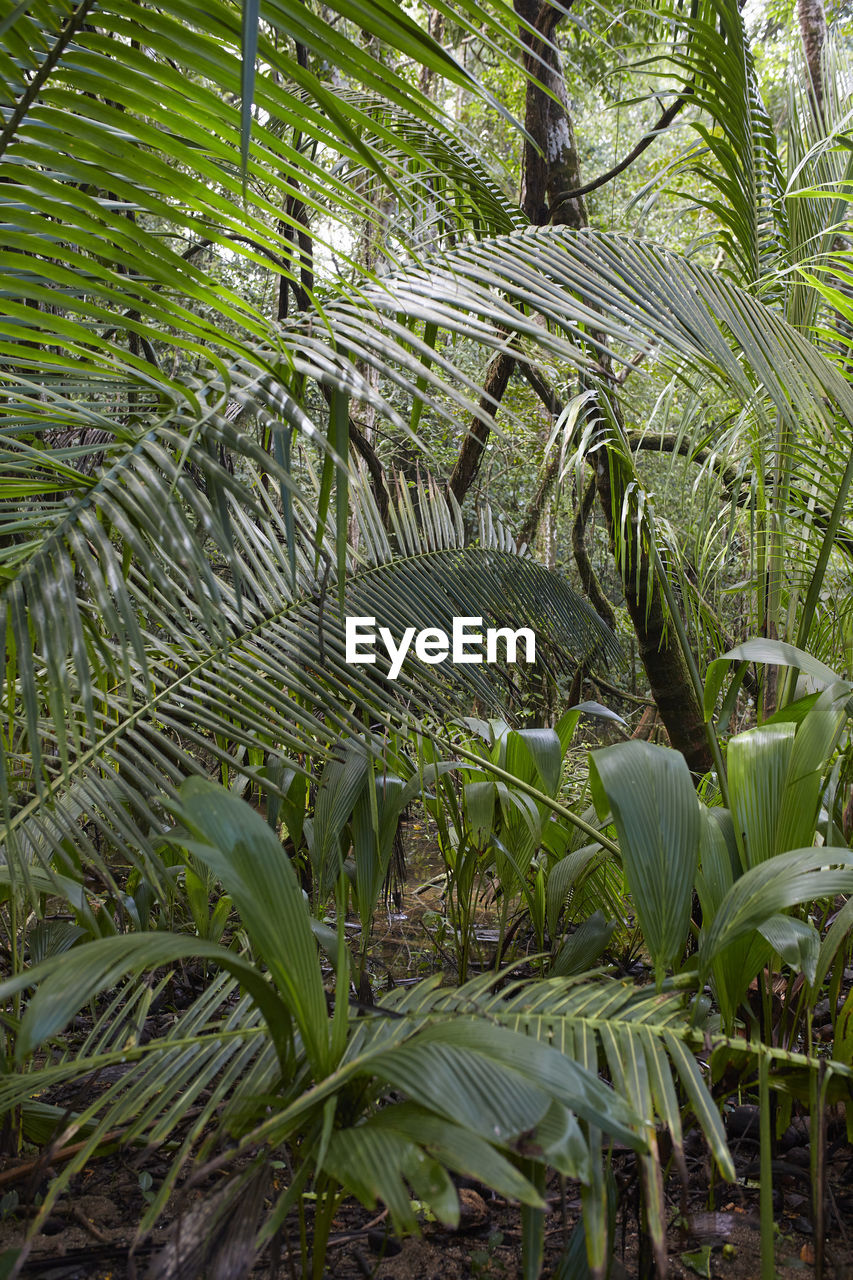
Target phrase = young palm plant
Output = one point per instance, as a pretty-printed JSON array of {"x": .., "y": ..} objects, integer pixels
[
  {"x": 280, "y": 1068},
  {"x": 753, "y": 863}
]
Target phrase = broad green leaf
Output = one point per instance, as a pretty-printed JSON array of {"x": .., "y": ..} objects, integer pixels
[
  {"x": 817, "y": 737},
  {"x": 776, "y": 773},
  {"x": 457, "y": 1147},
  {"x": 719, "y": 862},
  {"x": 772, "y": 652},
  {"x": 344, "y": 778},
  {"x": 500, "y": 1082},
  {"x": 765, "y": 890},
  {"x": 719, "y": 866},
  {"x": 832, "y": 940},
  {"x": 583, "y": 947},
  {"x": 378, "y": 1163},
  {"x": 479, "y": 800},
  {"x": 563, "y": 1145},
  {"x": 239, "y": 847},
  {"x": 545, "y": 751},
  {"x": 759, "y": 769},
  {"x": 797, "y": 941},
  {"x": 561, "y": 879},
  {"x": 651, "y": 795}
]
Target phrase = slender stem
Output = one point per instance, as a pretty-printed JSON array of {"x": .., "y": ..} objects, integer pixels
[
  {"x": 768, "y": 1269},
  {"x": 326, "y": 1205},
  {"x": 502, "y": 921},
  {"x": 488, "y": 767},
  {"x": 13, "y": 948},
  {"x": 818, "y": 1156},
  {"x": 303, "y": 1238},
  {"x": 533, "y": 1224}
]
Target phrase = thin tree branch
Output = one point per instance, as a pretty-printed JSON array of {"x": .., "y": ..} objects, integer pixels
[
  {"x": 591, "y": 585},
  {"x": 552, "y": 402},
  {"x": 634, "y": 363},
  {"x": 665, "y": 120},
  {"x": 375, "y": 469},
  {"x": 471, "y": 452},
  {"x": 729, "y": 476},
  {"x": 639, "y": 698},
  {"x": 543, "y": 388},
  {"x": 533, "y": 515},
  {"x": 73, "y": 25}
]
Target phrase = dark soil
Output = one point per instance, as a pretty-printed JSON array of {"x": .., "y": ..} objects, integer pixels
[{"x": 88, "y": 1237}]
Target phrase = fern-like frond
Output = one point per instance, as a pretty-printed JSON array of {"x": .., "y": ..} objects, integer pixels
[{"x": 269, "y": 676}]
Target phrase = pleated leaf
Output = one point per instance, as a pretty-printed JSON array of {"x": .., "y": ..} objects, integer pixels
[{"x": 650, "y": 793}]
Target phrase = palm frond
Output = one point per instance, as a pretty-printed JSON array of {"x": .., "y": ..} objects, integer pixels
[
  {"x": 738, "y": 158},
  {"x": 820, "y": 173},
  {"x": 271, "y": 675},
  {"x": 643, "y": 298},
  {"x": 446, "y": 186}
]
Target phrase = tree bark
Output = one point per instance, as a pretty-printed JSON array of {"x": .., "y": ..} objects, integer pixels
[
  {"x": 551, "y": 167},
  {"x": 813, "y": 30},
  {"x": 591, "y": 585},
  {"x": 550, "y": 192},
  {"x": 545, "y": 179},
  {"x": 660, "y": 653},
  {"x": 473, "y": 446},
  {"x": 548, "y": 179}
]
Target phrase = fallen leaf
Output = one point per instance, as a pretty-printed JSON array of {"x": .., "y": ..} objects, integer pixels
[{"x": 699, "y": 1261}]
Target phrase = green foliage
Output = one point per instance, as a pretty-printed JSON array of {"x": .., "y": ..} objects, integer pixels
[
  {"x": 650, "y": 793},
  {"x": 224, "y": 241},
  {"x": 475, "y": 1088}
]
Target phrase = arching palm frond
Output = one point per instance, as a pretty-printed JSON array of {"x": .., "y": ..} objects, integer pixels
[
  {"x": 115, "y": 184},
  {"x": 125, "y": 353},
  {"x": 126, "y": 196},
  {"x": 262, "y": 671},
  {"x": 642, "y": 298},
  {"x": 213, "y": 1073},
  {"x": 820, "y": 174},
  {"x": 444, "y": 185},
  {"x": 474, "y": 1093},
  {"x": 739, "y": 156},
  {"x": 774, "y": 224}
]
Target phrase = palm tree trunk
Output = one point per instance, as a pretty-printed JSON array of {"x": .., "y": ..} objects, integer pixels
[
  {"x": 549, "y": 173},
  {"x": 660, "y": 654}
]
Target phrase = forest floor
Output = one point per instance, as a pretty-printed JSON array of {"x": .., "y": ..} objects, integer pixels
[{"x": 89, "y": 1234}]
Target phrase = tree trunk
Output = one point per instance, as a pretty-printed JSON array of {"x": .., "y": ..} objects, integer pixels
[
  {"x": 547, "y": 177},
  {"x": 553, "y": 169},
  {"x": 813, "y": 31},
  {"x": 660, "y": 654},
  {"x": 544, "y": 179}
]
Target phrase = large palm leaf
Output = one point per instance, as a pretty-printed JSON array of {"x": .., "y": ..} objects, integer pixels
[
  {"x": 487, "y": 1070},
  {"x": 738, "y": 157},
  {"x": 644, "y": 298},
  {"x": 268, "y": 677},
  {"x": 122, "y": 167},
  {"x": 475, "y": 1090},
  {"x": 780, "y": 208}
]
